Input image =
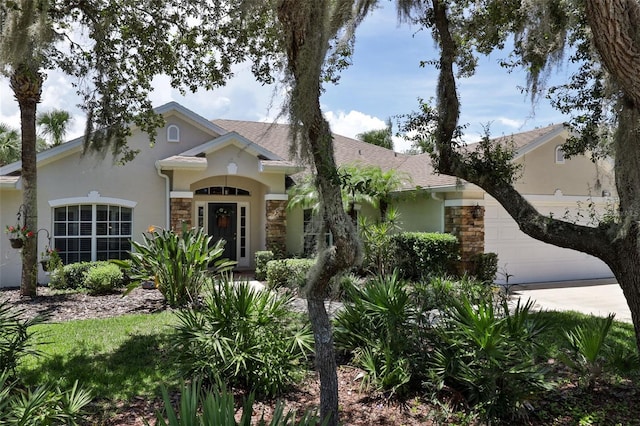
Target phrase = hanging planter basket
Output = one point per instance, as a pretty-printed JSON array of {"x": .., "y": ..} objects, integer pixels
[
  {"x": 45, "y": 264},
  {"x": 16, "y": 243},
  {"x": 223, "y": 221}
]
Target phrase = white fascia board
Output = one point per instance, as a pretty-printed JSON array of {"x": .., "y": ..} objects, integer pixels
[
  {"x": 228, "y": 139},
  {"x": 276, "y": 197},
  {"x": 190, "y": 115},
  {"x": 183, "y": 163},
  {"x": 539, "y": 141}
]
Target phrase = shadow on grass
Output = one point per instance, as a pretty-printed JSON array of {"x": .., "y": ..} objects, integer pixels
[{"x": 138, "y": 367}]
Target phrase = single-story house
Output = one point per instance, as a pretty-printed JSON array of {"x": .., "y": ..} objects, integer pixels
[{"x": 231, "y": 178}]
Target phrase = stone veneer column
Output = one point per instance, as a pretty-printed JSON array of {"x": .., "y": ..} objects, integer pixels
[
  {"x": 181, "y": 212},
  {"x": 459, "y": 221},
  {"x": 276, "y": 226}
]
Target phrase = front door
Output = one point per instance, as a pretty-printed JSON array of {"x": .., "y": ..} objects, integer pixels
[{"x": 222, "y": 224}]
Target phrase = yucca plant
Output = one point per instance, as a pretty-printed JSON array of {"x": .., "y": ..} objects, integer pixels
[
  {"x": 14, "y": 336},
  {"x": 177, "y": 262},
  {"x": 244, "y": 337},
  {"x": 216, "y": 406}
]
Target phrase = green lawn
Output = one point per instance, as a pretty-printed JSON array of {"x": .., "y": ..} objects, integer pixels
[{"x": 117, "y": 358}]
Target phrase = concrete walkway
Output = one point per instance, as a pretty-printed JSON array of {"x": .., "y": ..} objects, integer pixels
[{"x": 598, "y": 297}]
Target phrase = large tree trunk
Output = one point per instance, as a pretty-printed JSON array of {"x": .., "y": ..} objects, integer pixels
[
  {"x": 307, "y": 26},
  {"x": 26, "y": 83}
]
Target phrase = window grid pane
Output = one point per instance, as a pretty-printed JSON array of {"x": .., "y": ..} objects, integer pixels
[{"x": 75, "y": 230}]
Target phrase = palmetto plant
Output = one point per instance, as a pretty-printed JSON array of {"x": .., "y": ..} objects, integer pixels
[
  {"x": 487, "y": 355},
  {"x": 377, "y": 327},
  {"x": 177, "y": 262},
  {"x": 243, "y": 336},
  {"x": 45, "y": 405},
  {"x": 589, "y": 352}
]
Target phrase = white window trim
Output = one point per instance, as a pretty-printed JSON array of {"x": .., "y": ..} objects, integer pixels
[
  {"x": 94, "y": 235},
  {"x": 243, "y": 261},
  {"x": 177, "y": 130},
  {"x": 93, "y": 198}
]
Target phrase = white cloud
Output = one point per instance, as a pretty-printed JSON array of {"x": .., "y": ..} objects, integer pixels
[
  {"x": 351, "y": 123},
  {"x": 515, "y": 124}
]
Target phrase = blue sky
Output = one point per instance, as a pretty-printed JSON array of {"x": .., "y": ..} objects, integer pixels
[{"x": 385, "y": 80}]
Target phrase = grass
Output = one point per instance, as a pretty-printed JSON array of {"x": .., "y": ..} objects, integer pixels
[{"x": 117, "y": 358}]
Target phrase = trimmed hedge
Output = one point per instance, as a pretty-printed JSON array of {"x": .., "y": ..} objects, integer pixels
[
  {"x": 262, "y": 258},
  {"x": 74, "y": 274},
  {"x": 290, "y": 273},
  {"x": 424, "y": 254},
  {"x": 103, "y": 279},
  {"x": 485, "y": 267}
]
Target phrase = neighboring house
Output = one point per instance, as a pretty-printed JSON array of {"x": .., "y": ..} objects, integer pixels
[{"x": 231, "y": 178}]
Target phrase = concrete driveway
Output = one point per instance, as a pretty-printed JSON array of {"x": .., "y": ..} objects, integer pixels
[{"x": 598, "y": 297}]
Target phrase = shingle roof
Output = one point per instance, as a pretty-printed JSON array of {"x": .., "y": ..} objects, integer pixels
[{"x": 275, "y": 137}]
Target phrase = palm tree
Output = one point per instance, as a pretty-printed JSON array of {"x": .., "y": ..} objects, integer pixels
[
  {"x": 380, "y": 137},
  {"x": 9, "y": 144},
  {"x": 54, "y": 124}
]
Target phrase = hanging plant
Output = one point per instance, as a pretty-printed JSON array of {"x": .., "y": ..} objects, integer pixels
[{"x": 18, "y": 235}]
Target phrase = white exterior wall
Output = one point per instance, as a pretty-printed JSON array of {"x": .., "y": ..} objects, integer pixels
[
  {"x": 421, "y": 213},
  {"x": 10, "y": 261}
]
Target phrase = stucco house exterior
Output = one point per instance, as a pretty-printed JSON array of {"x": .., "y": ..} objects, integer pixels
[{"x": 231, "y": 178}]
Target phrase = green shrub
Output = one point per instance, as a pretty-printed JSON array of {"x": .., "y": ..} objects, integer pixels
[
  {"x": 422, "y": 254},
  {"x": 485, "y": 267},
  {"x": 440, "y": 292},
  {"x": 178, "y": 262},
  {"x": 289, "y": 273},
  {"x": 71, "y": 276},
  {"x": 487, "y": 356},
  {"x": 341, "y": 283},
  {"x": 204, "y": 407},
  {"x": 243, "y": 337},
  {"x": 376, "y": 238},
  {"x": 262, "y": 258},
  {"x": 376, "y": 326},
  {"x": 103, "y": 279},
  {"x": 14, "y": 336}
]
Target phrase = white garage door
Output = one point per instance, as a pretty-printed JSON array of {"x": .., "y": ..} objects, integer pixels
[{"x": 528, "y": 260}]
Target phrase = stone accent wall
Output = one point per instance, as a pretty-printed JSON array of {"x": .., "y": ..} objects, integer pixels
[
  {"x": 460, "y": 222},
  {"x": 276, "y": 226},
  {"x": 181, "y": 212}
]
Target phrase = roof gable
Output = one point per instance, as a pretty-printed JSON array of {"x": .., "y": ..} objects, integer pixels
[
  {"x": 76, "y": 145},
  {"x": 232, "y": 138}
]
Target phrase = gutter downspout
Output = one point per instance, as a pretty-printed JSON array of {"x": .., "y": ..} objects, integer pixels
[{"x": 167, "y": 190}]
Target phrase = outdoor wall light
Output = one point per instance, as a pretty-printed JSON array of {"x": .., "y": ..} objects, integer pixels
[{"x": 476, "y": 213}]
